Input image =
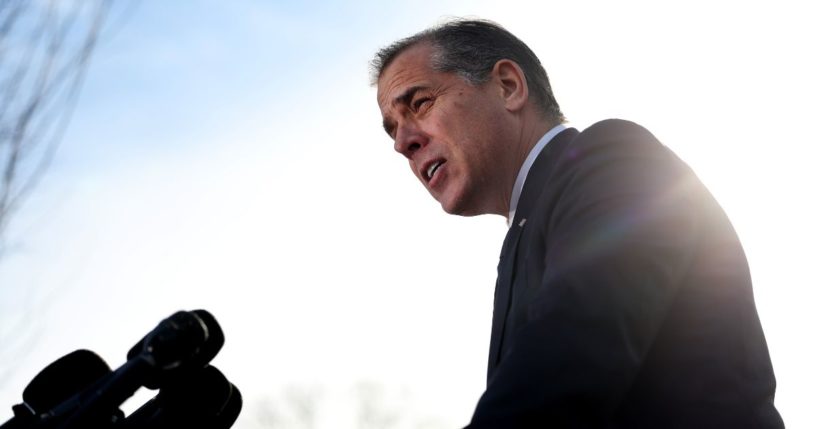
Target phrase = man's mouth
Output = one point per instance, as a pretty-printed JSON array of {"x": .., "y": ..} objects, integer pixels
[{"x": 432, "y": 168}]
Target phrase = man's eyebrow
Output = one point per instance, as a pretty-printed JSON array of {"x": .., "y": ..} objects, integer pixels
[
  {"x": 408, "y": 94},
  {"x": 404, "y": 99}
]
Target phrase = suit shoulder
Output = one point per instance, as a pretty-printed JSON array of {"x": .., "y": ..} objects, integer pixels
[
  {"x": 617, "y": 130},
  {"x": 613, "y": 139}
]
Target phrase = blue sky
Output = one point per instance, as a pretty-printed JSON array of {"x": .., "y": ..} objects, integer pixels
[{"x": 229, "y": 156}]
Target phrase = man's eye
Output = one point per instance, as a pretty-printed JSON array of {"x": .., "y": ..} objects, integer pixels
[{"x": 418, "y": 103}]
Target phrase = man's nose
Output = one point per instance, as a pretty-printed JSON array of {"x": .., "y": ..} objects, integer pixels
[{"x": 409, "y": 140}]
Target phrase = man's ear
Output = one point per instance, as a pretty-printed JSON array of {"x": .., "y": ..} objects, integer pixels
[{"x": 512, "y": 83}]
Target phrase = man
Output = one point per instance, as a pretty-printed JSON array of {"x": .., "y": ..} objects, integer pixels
[{"x": 623, "y": 296}]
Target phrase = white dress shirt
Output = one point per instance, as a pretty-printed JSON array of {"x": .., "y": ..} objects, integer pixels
[{"x": 523, "y": 172}]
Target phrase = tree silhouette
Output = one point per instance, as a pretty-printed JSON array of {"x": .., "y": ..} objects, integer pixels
[
  {"x": 45, "y": 46},
  {"x": 44, "y": 52}
]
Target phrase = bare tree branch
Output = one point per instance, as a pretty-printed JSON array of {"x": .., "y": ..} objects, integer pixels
[{"x": 44, "y": 53}]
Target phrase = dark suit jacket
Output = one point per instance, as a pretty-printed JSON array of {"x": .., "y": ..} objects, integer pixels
[{"x": 623, "y": 297}]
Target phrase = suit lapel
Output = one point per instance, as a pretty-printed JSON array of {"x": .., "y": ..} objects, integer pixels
[
  {"x": 502, "y": 293},
  {"x": 506, "y": 270}
]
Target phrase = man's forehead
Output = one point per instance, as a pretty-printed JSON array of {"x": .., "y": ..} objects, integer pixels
[{"x": 408, "y": 68}]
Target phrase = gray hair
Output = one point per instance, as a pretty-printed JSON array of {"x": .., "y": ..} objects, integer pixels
[{"x": 471, "y": 48}]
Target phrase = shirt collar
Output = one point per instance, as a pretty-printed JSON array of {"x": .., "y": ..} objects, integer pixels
[{"x": 523, "y": 172}]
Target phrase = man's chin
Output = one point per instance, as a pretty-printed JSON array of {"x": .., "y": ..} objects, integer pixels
[{"x": 459, "y": 207}]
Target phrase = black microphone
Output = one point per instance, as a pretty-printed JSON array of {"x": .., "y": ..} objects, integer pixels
[
  {"x": 229, "y": 413},
  {"x": 182, "y": 341},
  {"x": 201, "y": 399},
  {"x": 57, "y": 382},
  {"x": 195, "y": 335}
]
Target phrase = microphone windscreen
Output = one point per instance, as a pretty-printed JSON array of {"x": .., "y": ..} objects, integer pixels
[
  {"x": 201, "y": 399},
  {"x": 185, "y": 341},
  {"x": 215, "y": 337},
  {"x": 63, "y": 378},
  {"x": 229, "y": 413},
  {"x": 205, "y": 389}
]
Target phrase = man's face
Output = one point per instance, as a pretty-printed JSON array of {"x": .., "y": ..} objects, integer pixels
[{"x": 450, "y": 131}]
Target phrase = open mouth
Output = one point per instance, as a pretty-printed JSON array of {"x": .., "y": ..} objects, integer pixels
[{"x": 432, "y": 169}]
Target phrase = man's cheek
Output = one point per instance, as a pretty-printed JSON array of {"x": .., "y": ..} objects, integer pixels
[{"x": 417, "y": 174}]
